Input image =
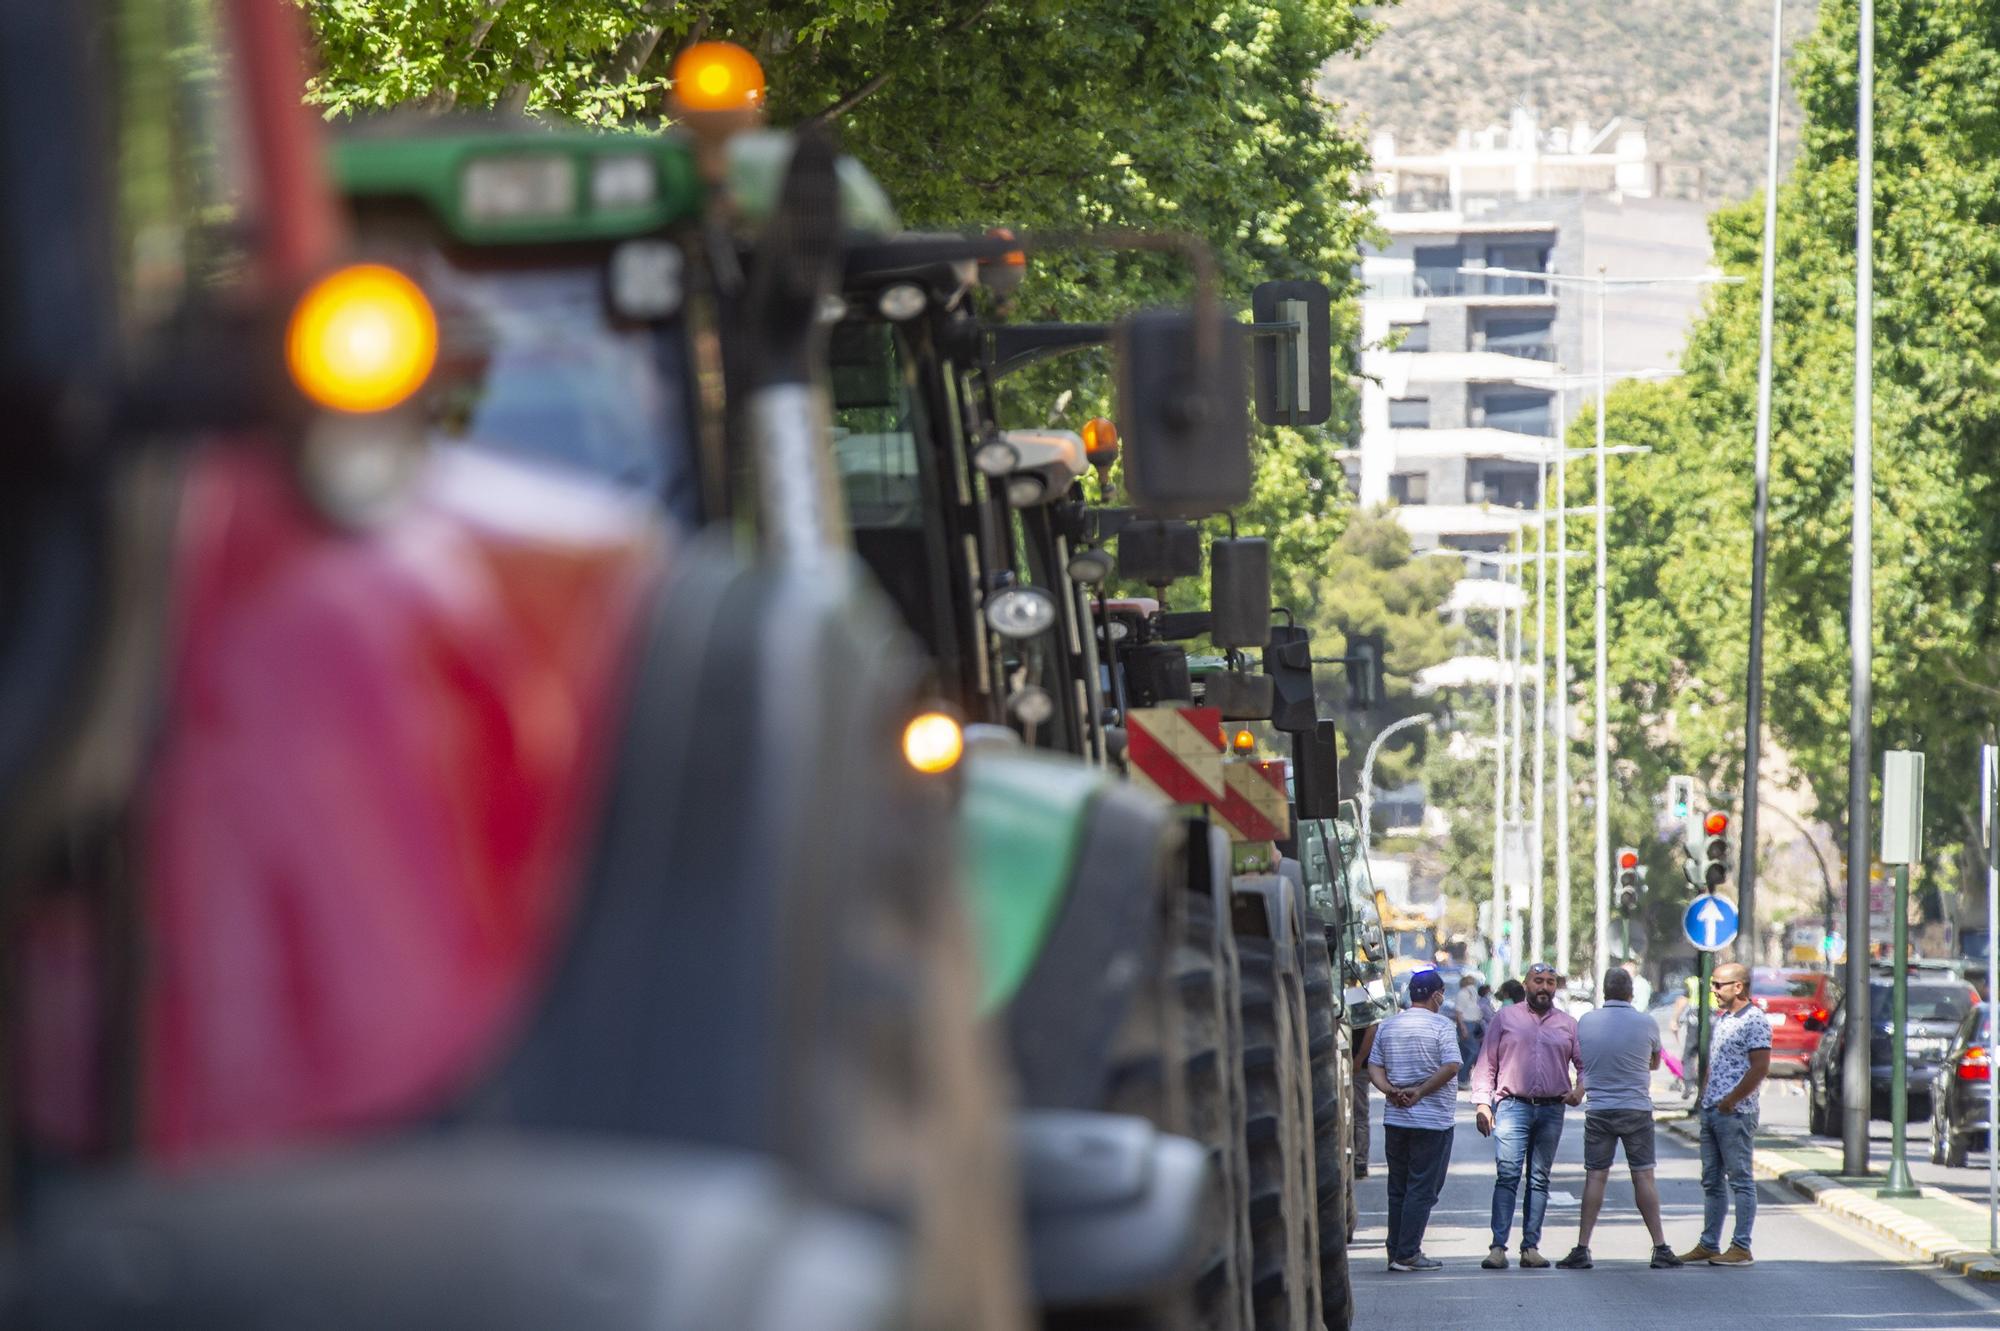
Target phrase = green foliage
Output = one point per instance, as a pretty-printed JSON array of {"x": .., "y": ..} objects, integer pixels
[
  {"x": 1369, "y": 583},
  {"x": 1185, "y": 115},
  {"x": 1680, "y": 533}
]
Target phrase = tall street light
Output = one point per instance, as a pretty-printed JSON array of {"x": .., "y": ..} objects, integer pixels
[
  {"x": 1861, "y": 622},
  {"x": 1602, "y": 283},
  {"x": 1746, "y": 869}
]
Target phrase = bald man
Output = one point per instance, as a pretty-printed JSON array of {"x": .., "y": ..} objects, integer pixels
[{"x": 1739, "y": 1057}]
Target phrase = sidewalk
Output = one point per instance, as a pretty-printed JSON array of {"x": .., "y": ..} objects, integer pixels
[{"x": 1936, "y": 1226}]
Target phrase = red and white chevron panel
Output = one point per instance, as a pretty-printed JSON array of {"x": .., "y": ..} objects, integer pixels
[
  {"x": 1255, "y": 807},
  {"x": 1177, "y": 752}
]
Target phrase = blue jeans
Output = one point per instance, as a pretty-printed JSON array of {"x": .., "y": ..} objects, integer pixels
[
  {"x": 1531, "y": 1131},
  {"x": 1725, "y": 1150},
  {"x": 1418, "y": 1159}
]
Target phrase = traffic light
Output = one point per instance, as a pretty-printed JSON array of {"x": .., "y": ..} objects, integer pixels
[
  {"x": 1715, "y": 849},
  {"x": 1631, "y": 878},
  {"x": 1680, "y": 797}
]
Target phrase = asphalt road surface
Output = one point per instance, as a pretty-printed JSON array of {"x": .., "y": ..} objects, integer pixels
[{"x": 1812, "y": 1271}]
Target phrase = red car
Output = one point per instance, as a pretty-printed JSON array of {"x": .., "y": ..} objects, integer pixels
[{"x": 1797, "y": 1003}]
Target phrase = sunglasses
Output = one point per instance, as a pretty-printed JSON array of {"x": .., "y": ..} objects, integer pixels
[
  {"x": 1723, "y": 984},
  {"x": 1541, "y": 968}
]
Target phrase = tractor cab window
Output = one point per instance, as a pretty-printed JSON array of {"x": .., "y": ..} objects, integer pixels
[
  {"x": 534, "y": 363},
  {"x": 179, "y": 164},
  {"x": 875, "y": 431}
]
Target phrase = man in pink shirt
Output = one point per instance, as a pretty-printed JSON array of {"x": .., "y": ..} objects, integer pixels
[{"x": 1521, "y": 1083}]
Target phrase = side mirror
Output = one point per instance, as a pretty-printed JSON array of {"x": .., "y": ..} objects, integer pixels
[
  {"x": 1316, "y": 771},
  {"x": 1288, "y": 663},
  {"x": 1239, "y": 591},
  {"x": 1157, "y": 552},
  {"x": 1185, "y": 416},
  {"x": 1294, "y": 366}
]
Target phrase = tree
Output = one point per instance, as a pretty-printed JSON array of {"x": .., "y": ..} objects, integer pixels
[{"x": 1680, "y": 531}]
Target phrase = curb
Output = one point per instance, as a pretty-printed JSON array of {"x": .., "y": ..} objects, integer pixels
[{"x": 1916, "y": 1236}]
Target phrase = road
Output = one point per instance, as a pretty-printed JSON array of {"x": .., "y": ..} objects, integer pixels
[
  {"x": 1812, "y": 1271},
  {"x": 1785, "y": 1113}
]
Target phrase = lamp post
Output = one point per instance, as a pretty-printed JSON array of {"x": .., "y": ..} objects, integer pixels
[
  {"x": 1855, "y": 1075},
  {"x": 1368, "y": 772},
  {"x": 1602, "y": 283},
  {"x": 1753, "y": 702}
]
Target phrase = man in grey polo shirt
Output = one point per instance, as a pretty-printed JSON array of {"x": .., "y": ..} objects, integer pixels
[{"x": 1621, "y": 1047}]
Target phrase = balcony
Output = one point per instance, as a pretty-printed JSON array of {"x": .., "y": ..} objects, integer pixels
[{"x": 1440, "y": 283}]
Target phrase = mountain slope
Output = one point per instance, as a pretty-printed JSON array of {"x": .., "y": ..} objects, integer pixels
[{"x": 1694, "y": 71}]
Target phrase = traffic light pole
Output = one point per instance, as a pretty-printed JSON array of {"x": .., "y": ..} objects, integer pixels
[{"x": 1707, "y": 970}]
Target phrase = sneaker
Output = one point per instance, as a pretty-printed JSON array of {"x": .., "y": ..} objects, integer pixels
[
  {"x": 1738, "y": 1255},
  {"x": 1664, "y": 1258},
  {"x": 1423, "y": 1263},
  {"x": 1700, "y": 1252},
  {"x": 1578, "y": 1259},
  {"x": 1496, "y": 1259},
  {"x": 1532, "y": 1259}
]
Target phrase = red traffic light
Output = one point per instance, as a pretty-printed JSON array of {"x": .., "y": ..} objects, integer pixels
[
  {"x": 1716, "y": 824},
  {"x": 1628, "y": 859}
]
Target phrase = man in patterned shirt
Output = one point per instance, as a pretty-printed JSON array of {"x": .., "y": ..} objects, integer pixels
[{"x": 1739, "y": 1056}]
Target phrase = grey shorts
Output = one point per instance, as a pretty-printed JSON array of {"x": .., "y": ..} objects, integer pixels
[{"x": 1604, "y": 1129}]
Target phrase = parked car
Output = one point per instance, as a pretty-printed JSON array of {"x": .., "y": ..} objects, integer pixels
[
  {"x": 1796, "y": 1002},
  {"x": 1938, "y": 1005},
  {"x": 1962, "y": 1095}
]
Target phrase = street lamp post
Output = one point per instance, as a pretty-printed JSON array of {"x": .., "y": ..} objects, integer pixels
[
  {"x": 1860, "y": 623},
  {"x": 1603, "y": 282},
  {"x": 1368, "y": 772},
  {"x": 1746, "y": 871}
]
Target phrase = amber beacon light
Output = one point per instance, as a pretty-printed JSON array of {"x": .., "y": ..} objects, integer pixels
[
  {"x": 933, "y": 743},
  {"x": 363, "y": 338},
  {"x": 718, "y": 76}
]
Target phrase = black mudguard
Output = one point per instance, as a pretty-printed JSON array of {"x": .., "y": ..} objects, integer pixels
[
  {"x": 468, "y": 1234},
  {"x": 1104, "y": 945}
]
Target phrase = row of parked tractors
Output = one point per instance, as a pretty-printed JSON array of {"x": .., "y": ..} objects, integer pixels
[{"x": 562, "y": 765}]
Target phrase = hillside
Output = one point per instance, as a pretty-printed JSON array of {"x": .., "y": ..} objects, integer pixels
[{"x": 1694, "y": 71}]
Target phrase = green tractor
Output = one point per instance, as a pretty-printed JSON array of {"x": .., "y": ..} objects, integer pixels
[
  {"x": 642, "y": 313},
  {"x": 1224, "y": 1021}
]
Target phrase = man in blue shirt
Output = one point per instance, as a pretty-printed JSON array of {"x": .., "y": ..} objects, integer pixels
[
  {"x": 1621, "y": 1047},
  {"x": 1415, "y": 1065}
]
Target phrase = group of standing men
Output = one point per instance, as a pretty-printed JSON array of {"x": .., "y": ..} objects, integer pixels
[{"x": 1536, "y": 1062}]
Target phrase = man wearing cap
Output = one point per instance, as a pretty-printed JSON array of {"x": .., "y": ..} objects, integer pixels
[
  {"x": 1621, "y": 1047},
  {"x": 1739, "y": 1057},
  {"x": 1415, "y": 1065},
  {"x": 1521, "y": 1083}
]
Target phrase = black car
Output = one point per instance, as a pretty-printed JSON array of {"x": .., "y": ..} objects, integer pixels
[
  {"x": 1938, "y": 1005},
  {"x": 1962, "y": 1096}
]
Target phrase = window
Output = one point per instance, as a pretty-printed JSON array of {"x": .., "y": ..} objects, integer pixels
[
  {"x": 1532, "y": 258},
  {"x": 874, "y": 429},
  {"x": 1509, "y": 487},
  {"x": 1933, "y": 1000},
  {"x": 1416, "y": 336},
  {"x": 534, "y": 365},
  {"x": 1410, "y": 487},
  {"x": 1523, "y": 412},
  {"x": 1409, "y": 413},
  {"x": 1783, "y": 984},
  {"x": 180, "y": 165},
  {"x": 1437, "y": 270},
  {"x": 1531, "y": 337}
]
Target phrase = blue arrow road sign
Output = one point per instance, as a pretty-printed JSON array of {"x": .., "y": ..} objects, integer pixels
[{"x": 1710, "y": 923}]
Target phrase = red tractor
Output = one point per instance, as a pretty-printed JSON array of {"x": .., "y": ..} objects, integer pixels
[{"x": 440, "y": 891}]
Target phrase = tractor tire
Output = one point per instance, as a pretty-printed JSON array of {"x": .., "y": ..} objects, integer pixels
[
  {"x": 1207, "y": 972},
  {"x": 1333, "y": 1186},
  {"x": 1278, "y": 1129}
]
